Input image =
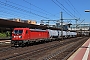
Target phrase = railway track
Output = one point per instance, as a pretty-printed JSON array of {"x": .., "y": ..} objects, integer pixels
[
  {"x": 60, "y": 49},
  {"x": 66, "y": 52},
  {"x": 45, "y": 52},
  {"x": 6, "y": 49}
]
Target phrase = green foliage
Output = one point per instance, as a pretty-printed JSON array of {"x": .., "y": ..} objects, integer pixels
[
  {"x": 5, "y": 34},
  {"x": 2, "y": 34}
]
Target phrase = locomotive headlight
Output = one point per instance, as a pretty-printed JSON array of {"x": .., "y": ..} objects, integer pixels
[
  {"x": 13, "y": 36},
  {"x": 20, "y": 36}
]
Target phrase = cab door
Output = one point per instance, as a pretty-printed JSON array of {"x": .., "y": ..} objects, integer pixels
[{"x": 27, "y": 35}]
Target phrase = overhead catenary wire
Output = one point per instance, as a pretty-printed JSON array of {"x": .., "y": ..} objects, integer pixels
[
  {"x": 69, "y": 5},
  {"x": 16, "y": 14},
  {"x": 66, "y": 8},
  {"x": 76, "y": 11},
  {"x": 29, "y": 12},
  {"x": 40, "y": 8},
  {"x": 23, "y": 10},
  {"x": 10, "y": 14},
  {"x": 62, "y": 8},
  {"x": 74, "y": 8},
  {"x": 27, "y": 7}
]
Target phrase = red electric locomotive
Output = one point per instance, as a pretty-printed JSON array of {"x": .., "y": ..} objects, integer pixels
[{"x": 22, "y": 36}]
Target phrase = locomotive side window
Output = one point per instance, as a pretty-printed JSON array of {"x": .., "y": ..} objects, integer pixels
[{"x": 18, "y": 31}]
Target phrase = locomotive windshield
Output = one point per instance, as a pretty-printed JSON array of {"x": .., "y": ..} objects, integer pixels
[{"x": 18, "y": 31}]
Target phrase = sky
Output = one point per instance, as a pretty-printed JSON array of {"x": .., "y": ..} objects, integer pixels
[{"x": 46, "y": 10}]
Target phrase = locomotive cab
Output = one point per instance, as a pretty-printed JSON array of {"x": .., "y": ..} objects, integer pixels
[{"x": 19, "y": 35}]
